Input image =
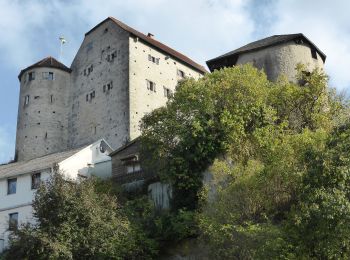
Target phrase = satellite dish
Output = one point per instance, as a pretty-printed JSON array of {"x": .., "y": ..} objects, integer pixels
[{"x": 103, "y": 147}]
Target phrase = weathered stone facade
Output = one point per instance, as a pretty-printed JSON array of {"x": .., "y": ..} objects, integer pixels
[
  {"x": 276, "y": 55},
  {"x": 117, "y": 76}
]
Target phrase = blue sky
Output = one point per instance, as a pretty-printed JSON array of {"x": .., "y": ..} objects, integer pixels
[{"x": 201, "y": 29}]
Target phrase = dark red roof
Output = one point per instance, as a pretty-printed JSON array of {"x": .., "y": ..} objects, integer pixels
[
  {"x": 48, "y": 62},
  {"x": 162, "y": 47}
]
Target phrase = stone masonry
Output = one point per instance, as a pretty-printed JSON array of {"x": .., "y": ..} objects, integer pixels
[{"x": 117, "y": 76}]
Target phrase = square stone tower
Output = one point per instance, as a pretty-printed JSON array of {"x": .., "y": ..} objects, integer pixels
[{"x": 118, "y": 75}]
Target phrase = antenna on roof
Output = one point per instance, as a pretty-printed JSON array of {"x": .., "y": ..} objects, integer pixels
[{"x": 63, "y": 41}]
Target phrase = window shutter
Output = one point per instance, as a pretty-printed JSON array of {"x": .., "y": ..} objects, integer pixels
[
  {"x": 149, "y": 57},
  {"x": 157, "y": 61}
]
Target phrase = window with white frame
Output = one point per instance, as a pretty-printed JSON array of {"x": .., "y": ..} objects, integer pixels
[
  {"x": 31, "y": 76},
  {"x": 48, "y": 75},
  {"x": 151, "y": 85},
  {"x": 153, "y": 59},
  {"x": 167, "y": 92}
]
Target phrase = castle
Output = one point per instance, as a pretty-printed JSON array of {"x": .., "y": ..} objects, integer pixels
[
  {"x": 117, "y": 76},
  {"x": 85, "y": 118}
]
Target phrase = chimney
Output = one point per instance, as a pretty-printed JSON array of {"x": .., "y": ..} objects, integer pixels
[{"x": 150, "y": 35}]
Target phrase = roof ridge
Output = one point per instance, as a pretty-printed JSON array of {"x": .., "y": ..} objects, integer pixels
[{"x": 177, "y": 55}]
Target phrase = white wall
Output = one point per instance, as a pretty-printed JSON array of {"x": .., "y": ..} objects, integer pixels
[{"x": 84, "y": 162}]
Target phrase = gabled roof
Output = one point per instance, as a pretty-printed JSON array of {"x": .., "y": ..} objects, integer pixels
[
  {"x": 34, "y": 165},
  {"x": 48, "y": 62},
  {"x": 132, "y": 142},
  {"x": 267, "y": 42},
  {"x": 158, "y": 45}
]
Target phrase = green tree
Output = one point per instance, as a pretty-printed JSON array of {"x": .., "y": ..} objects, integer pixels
[
  {"x": 319, "y": 223},
  {"x": 78, "y": 221},
  {"x": 255, "y": 134}
]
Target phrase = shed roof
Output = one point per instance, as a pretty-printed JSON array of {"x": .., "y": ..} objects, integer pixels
[
  {"x": 267, "y": 42},
  {"x": 34, "y": 165},
  {"x": 48, "y": 62},
  {"x": 162, "y": 47}
]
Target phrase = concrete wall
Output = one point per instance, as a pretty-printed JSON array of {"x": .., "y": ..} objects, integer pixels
[
  {"x": 282, "y": 59},
  {"x": 164, "y": 74},
  {"x": 105, "y": 115},
  {"x": 41, "y": 124}
]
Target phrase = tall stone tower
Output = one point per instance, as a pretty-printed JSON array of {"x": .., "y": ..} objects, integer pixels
[
  {"x": 117, "y": 76},
  {"x": 42, "y": 109},
  {"x": 276, "y": 55}
]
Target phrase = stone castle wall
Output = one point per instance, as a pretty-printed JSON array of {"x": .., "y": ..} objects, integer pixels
[
  {"x": 282, "y": 59},
  {"x": 42, "y": 113}
]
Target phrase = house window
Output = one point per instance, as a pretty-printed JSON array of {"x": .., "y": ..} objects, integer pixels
[
  {"x": 36, "y": 179},
  {"x": 151, "y": 85},
  {"x": 314, "y": 54},
  {"x": 13, "y": 221},
  {"x": 153, "y": 59},
  {"x": 48, "y": 75},
  {"x": 133, "y": 168},
  {"x": 167, "y": 92},
  {"x": 11, "y": 186},
  {"x": 31, "y": 76},
  {"x": 181, "y": 73},
  {"x": 26, "y": 100}
]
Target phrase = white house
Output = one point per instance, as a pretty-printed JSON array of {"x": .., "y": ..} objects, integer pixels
[{"x": 19, "y": 181}]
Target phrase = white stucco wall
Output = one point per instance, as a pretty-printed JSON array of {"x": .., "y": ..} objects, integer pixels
[{"x": 164, "y": 74}]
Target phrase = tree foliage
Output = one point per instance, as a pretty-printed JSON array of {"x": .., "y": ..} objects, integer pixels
[
  {"x": 262, "y": 140},
  {"x": 78, "y": 221}
]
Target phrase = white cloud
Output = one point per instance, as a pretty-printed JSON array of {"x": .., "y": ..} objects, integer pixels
[
  {"x": 327, "y": 24},
  {"x": 6, "y": 145},
  {"x": 201, "y": 29}
]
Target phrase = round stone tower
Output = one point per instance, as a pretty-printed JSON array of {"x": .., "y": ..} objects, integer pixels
[
  {"x": 42, "y": 109},
  {"x": 276, "y": 55}
]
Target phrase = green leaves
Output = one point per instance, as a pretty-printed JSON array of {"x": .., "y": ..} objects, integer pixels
[{"x": 78, "y": 221}]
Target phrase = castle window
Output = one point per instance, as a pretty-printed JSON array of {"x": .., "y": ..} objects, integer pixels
[
  {"x": 167, "y": 92},
  {"x": 151, "y": 85},
  {"x": 13, "y": 221},
  {"x": 153, "y": 59},
  {"x": 87, "y": 97},
  {"x": 26, "y": 100},
  {"x": 31, "y": 76},
  {"x": 181, "y": 73},
  {"x": 51, "y": 99},
  {"x": 114, "y": 55},
  {"x": 84, "y": 72},
  {"x": 36, "y": 180},
  {"x": 313, "y": 53},
  {"x": 48, "y": 75},
  {"x": 110, "y": 85},
  {"x": 90, "y": 69},
  {"x": 11, "y": 186}
]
